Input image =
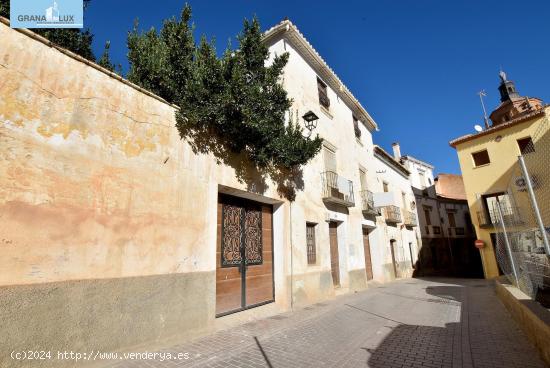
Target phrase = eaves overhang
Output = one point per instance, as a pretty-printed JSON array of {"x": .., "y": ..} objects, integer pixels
[{"x": 287, "y": 30}]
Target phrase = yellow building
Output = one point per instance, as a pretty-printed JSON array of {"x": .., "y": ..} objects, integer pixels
[{"x": 489, "y": 161}]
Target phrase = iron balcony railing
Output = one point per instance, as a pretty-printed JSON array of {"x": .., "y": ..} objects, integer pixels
[
  {"x": 392, "y": 214},
  {"x": 409, "y": 218},
  {"x": 337, "y": 189},
  {"x": 488, "y": 218},
  {"x": 367, "y": 203}
]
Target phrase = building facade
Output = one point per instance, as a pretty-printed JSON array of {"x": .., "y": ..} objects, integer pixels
[
  {"x": 107, "y": 212},
  {"x": 488, "y": 159},
  {"x": 444, "y": 224}
]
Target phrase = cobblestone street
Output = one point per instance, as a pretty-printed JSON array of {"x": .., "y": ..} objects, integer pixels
[{"x": 408, "y": 323}]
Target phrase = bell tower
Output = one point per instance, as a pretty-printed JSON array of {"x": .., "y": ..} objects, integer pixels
[
  {"x": 512, "y": 105},
  {"x": 507, "y": 88}
]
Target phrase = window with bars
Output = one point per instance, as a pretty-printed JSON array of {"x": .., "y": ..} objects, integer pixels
[
  {"x": 526, "y": 145},
  {"x": 310, "y": 242}
]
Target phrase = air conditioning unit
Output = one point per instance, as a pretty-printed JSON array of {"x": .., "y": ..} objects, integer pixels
[{"x": 521, "y": 183}]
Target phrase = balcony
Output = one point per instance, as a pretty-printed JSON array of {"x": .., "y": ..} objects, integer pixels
[
  {"x": 367, "y": 203},
  {"x": 409, "y": 218},
  {"x": 510, "y": 214},
  {"x": 392, "y": 214},
  {"x": 337, "y": 189}
]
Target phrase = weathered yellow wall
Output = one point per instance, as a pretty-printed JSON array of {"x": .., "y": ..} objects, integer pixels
[
  {"x": 492, "y": 178},
  {"x": 108, "y": 219}
]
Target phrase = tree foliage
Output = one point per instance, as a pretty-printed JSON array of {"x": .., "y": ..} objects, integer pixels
[
  {"x": 105, "y": 60},
  {"x": 161, "y": 62},
  {"x": 229, "y": 105},
  {"x": 73, "y": 39}
]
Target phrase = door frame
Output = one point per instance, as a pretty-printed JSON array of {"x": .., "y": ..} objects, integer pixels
[
  {"x": 337, "y": 224},
  {"x": 365, "y": 233},
  {"x": 244, "y": 307},
  {"x": 392, "y": 250}
]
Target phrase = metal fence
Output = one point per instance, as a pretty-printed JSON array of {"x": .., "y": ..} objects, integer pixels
[{"x": 522, "y": 217}]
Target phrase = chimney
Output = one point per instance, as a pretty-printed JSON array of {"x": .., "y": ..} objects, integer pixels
[{"x": 396, "y": 151}]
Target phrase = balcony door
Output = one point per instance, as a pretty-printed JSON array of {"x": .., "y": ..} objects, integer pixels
[
  {"x": 490, "y": 203},
  {"x": 334, "y": 255},
  {"x": 244, "y": 256}
]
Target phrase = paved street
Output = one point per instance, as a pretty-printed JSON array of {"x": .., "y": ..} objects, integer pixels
[{"x": 408, "y": 323}]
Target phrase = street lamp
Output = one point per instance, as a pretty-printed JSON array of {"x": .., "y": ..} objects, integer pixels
[{"x": 310, "y": 121}]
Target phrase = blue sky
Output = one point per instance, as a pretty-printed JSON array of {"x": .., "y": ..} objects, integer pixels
[{"x": 416, "y": 66}]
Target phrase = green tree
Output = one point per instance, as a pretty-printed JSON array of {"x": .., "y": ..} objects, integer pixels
[
  {"x": 105, "y": 60},
  {"x": 73, "y": 39},
  {"x": 240, "y": 101},
  {"x": 162, "y": 62},
  {"x": 232, "y": 106}
]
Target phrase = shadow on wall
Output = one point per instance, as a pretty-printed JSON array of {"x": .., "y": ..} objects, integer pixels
[
  {"x": 288, "y": 181},
  {"x": 445, "y": 257}
]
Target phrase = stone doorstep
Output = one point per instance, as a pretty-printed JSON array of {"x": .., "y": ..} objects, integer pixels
[{"x": 532, "y": 318}]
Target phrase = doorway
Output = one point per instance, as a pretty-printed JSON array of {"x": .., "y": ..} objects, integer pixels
[
  {"x": 392, "y": 249},
  {"x": 368, "y": 260},
  {"x": 334, "y": 255},
  {"x": 244, "y": 255}
]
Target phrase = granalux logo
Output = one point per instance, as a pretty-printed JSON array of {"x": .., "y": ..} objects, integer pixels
[{"x": 46, "y": 14}]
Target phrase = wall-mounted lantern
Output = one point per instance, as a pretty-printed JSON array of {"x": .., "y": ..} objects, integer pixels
[{"x": 310, "y": 121}]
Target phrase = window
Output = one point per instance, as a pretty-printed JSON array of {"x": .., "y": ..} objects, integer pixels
[
  {"x": 481, "y": 158},
  {"x": 490, "y": 203},
  {"x": 526, "y": 145},
  {"x": 386, "y": 187},
  {"x": 452, "y": 221},
  {"x": 356, "y": 127},
  {"x": 404, "y": 199},
  {"x": 427, "y": 215},
  {"x": 323, "y": 94},
  {"x": 363, "y": 179},
  {"x": 310, "y": 242},
  {"x": 330, "y": 159},
  {"x": 422, "y": 179}
]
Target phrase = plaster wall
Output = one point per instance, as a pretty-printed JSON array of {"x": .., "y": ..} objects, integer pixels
[
  {"x": 335, "y": 126},
  {"x": 493, "y": 177},
  {"x": 108, "y": 217},
  {"x": 384, "y": 233}
]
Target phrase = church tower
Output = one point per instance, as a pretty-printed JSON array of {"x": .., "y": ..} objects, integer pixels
[
  {"x": 512, "y": 105},
  {"x": 507, "y": 88}
]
